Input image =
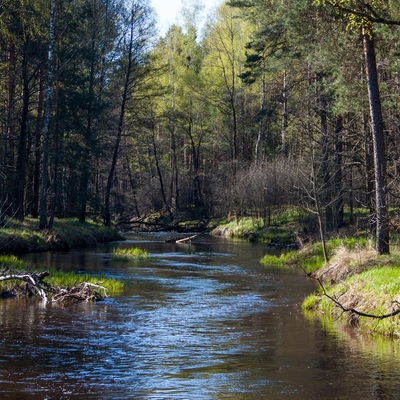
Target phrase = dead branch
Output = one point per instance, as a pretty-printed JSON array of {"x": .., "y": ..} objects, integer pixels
[
  {"x": 34, "y": 280},
  {"x": 83, "y": 292},
  {"x": 351, "y": 310}
]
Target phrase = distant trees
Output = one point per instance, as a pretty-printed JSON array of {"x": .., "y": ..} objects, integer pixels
[{"x": 274, "y": 93}]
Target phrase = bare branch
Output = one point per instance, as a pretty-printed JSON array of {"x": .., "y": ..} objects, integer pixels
[{"x": 351, "y": 310}]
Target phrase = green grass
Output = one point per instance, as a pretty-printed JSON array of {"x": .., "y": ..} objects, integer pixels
[
  {"x": 56, "y": 277},
  {"x": 130, "y": 254},
  {"x": 255, "y": 229},
  {"x": 284, "y": 259},
  {"x": 311, "y": 258},
  {"x": 372, "y": 292},
  {"x": 59, "y": 278},
  {"x": 23, "y": 236}
]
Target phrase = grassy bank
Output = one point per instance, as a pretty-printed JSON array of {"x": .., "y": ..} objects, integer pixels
[
  {"x": 18, "y": 237},
  {"x": 282, "y": 230},
  {"x": 355, "y": 278},
  {"x": 55, "y": 281}
]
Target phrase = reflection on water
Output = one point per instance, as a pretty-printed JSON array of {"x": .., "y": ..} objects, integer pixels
[{"x": 199, "y": 322}]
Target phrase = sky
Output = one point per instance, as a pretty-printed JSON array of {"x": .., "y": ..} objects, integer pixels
[{"x": 168, "y": 11}]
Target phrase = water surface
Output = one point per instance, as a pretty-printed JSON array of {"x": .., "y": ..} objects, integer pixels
[{"x": 204, "y": 321}]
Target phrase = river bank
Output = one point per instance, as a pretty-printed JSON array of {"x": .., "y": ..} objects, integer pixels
[
  {"x": 354, "y": 282},
  {"x": 18, "y": 237},
  {"x": 356, "y": 286}
]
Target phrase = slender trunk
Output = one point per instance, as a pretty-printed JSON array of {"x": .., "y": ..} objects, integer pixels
[
  {"x": 339, "y": 213},
  {"x": 369, "y": 174},
  {"x": 318, "y": 211},
  {"x": 22, "y": 144},
  {"x": 326, "y": 199},
  {"x": 37, "y": 152},
  {"x": 160, "y": 177},
  {"x": 382, "y": 221},
  {"x": 133, "y": 187},
  {"x": 260, "y": 123},
  {"x": 87, "y": 158},
  {"x": 120, "y": 128},
  {"x": 174, "y": 170},
  {"x": 46, "y": 124},
  {"x": 284, "y": 149},
  {"x": 8, "y": 157}
]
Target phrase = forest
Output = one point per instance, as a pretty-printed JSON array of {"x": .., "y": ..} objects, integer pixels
[{"x": 275, "y": 104}]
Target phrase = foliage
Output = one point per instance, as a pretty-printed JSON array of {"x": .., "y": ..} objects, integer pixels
[{"x": 264, "y": 111}]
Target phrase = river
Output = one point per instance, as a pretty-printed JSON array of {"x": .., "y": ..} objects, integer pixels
[{"x": 205, "y": 321}]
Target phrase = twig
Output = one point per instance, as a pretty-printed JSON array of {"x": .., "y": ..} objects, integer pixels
[{"x": 353, "y": 310}]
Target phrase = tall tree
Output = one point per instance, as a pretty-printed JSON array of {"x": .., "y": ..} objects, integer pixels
[
  {"x": 362, "y": 15},
  {"x": 47, "y": 111},
  {"x": 139, "y": 30}
]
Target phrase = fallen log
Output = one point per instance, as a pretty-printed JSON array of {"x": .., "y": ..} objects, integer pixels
[{"x": 181, "y": 240}]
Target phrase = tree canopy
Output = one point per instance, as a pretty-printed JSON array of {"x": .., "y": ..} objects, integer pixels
[{"x": 274, "y": 104}]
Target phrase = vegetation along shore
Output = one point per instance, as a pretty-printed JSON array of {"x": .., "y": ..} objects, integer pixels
[{"x": 354, "y": 284}]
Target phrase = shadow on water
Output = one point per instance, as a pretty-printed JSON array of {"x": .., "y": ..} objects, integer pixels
[{"x": 205, "y": 321}]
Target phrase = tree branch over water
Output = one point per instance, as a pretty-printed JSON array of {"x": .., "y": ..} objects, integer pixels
[{"x": 352, "y": 310}]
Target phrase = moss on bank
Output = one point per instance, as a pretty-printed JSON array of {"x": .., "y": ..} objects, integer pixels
[
  {"x": 18, "y": 237},
  {"x": 356, "y": 278}
]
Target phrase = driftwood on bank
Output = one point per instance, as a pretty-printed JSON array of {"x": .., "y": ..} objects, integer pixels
[{"x": 34, "y": 282}]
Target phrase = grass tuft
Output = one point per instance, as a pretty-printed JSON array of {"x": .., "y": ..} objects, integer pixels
[{"x": 130, "y": 254}]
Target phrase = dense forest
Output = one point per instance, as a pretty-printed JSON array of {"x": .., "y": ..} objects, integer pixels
[{"x": 277, "y": 103}]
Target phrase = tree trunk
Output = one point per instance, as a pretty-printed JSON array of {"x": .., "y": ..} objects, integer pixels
[
  {"x": 120, "y": 128},
  {"x": 338, "y": 174},
  {"x": 160, "y": 177},
  {"x": 46, "y": 124},
  {"x": 327, "y": 196},
  {"x": 382, "y": 222},
  {"x": 284, "y": 149},
  {"x": 19, "y": 195},
  {"x": 38, "y": 148}
]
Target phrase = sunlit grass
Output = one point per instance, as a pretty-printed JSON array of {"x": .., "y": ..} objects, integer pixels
[
  {"x": 130, "y": 254},
  {"x": 57, "y": 278},
  {"x": 311, "y": 257},
  {"x": 375, "y": 292},
  {"x": 24, "y": 236},
  {"x": 284, "y": 259}
]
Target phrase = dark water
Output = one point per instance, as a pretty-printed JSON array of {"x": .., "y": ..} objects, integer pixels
[{"x": 205, "y": 321}]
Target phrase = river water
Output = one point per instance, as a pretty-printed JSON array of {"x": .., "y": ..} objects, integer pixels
[{"x": 205, "y": 321}]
